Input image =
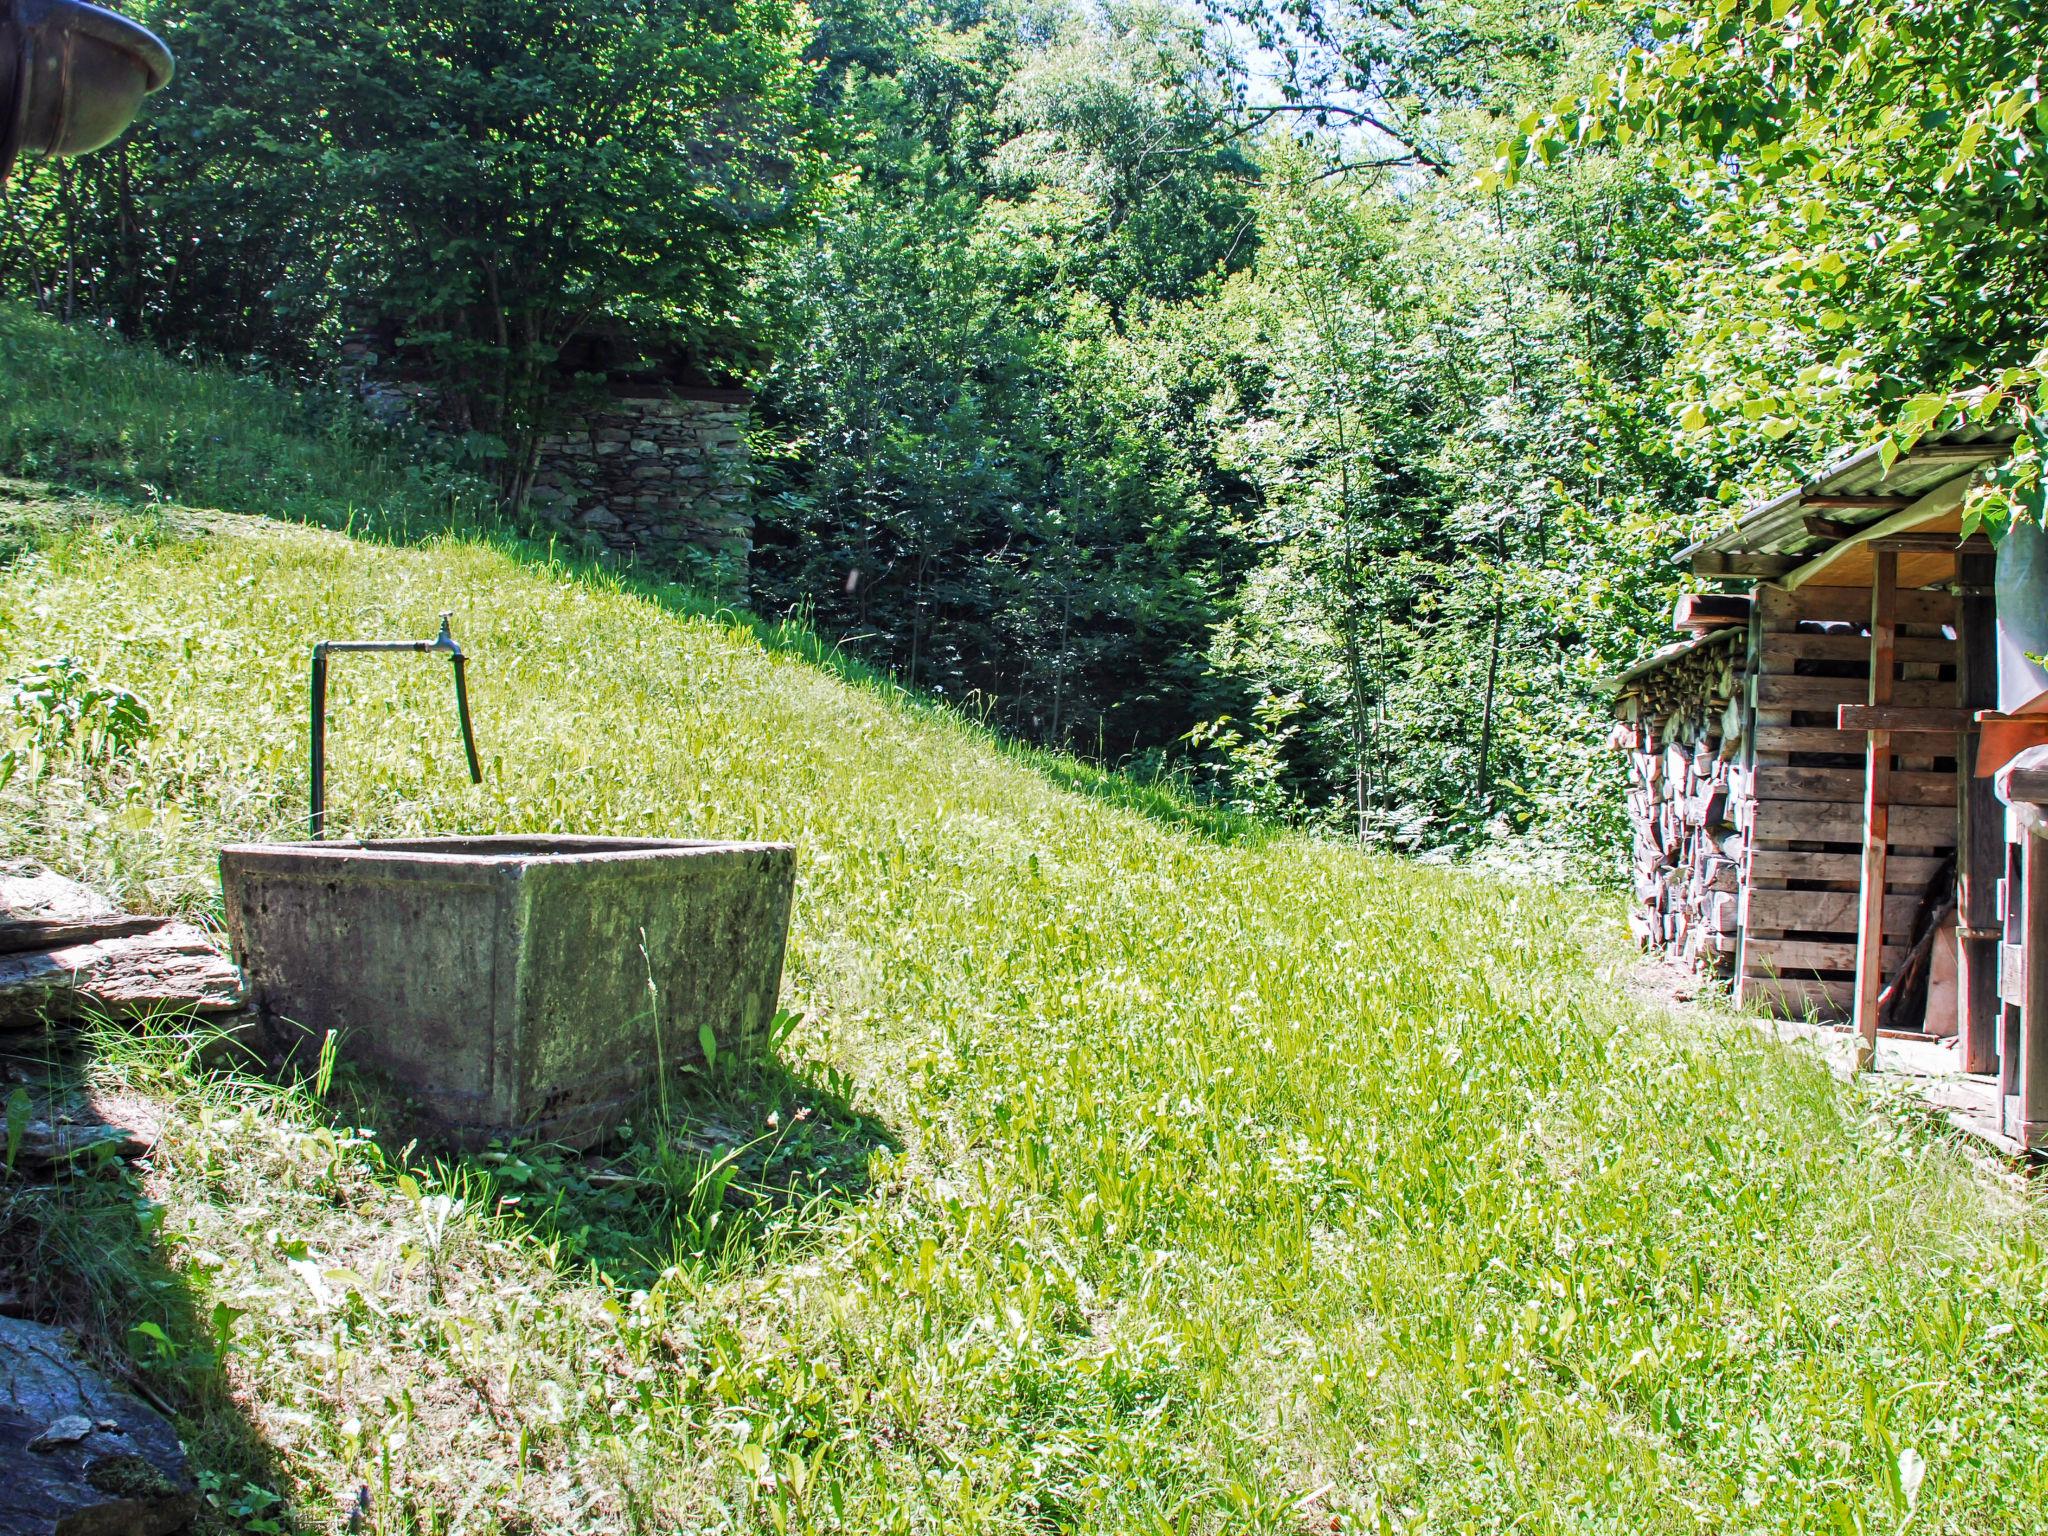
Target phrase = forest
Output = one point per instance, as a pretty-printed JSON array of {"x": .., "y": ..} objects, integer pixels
[{"x": 1302, "y": 403}]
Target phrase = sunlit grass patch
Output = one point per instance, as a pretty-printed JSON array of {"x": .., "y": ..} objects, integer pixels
[{"x": 1149, "y": 1177}]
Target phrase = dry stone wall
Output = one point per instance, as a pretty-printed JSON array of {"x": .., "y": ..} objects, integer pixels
[
  {"x": 664, "y": 478},
  {"x": 660, "y": 474}
]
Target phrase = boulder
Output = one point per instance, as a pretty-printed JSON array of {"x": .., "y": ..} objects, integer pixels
[{"x": 78, "y": 1455}]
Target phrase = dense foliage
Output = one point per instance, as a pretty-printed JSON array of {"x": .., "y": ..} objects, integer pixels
[
  {"x": 1302, "y": 401},
  {"x": 1871, "y": 175},
  {"x": 484, "y": 185},
  {"x": 1158, "y": 421}
]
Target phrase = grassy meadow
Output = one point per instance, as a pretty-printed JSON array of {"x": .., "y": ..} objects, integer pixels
[{"x": 1121, "y": 1171}]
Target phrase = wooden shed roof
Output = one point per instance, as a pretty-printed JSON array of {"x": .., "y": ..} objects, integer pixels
[
  {"x": 1661, "y": 658},
  {"x": 1848, "y": 501}
]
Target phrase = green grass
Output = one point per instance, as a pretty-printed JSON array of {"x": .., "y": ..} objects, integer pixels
[
  {"x": 85, "y": 413},
  {"x": 1204, "y": 1182}
]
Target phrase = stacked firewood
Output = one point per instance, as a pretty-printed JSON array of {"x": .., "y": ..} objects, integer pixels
[{"x": 1680, "y": 721}]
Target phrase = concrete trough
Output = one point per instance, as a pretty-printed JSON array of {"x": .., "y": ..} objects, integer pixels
[{"x": 529, "y": 986}]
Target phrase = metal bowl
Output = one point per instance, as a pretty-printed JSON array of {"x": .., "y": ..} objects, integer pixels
[{"x": 72, "y": 76}]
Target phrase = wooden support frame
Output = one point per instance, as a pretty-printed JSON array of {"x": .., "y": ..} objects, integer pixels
[
  {"x": 1884, "y": 633},
  {"x": 1980, "y": 824},
  {"x": 1741, "y": 565}
]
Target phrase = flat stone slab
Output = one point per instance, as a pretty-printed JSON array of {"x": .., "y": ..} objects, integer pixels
[
  {"x": 79, "y": 1456},
  {"x": 42, "y": 910},
  {"x": 168, "y": 965}
]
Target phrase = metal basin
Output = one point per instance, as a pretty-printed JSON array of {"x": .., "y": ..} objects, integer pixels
[
  {"x": 72, "y": 76},
  {"x": 513, "y": 985}
]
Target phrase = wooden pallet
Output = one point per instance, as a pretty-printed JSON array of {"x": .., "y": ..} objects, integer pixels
[{"x": 1801, "y": 801}]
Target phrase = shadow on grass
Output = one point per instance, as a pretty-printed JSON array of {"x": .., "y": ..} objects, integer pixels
[
  {"x": 81, "y": 1247},
  {"x": 714, "y": 1175},
  {"x": 1164, "y": 802}
]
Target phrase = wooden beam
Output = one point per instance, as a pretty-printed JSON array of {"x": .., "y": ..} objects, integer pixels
[
  {"x": 1980, "y": 828},
  {"x": 1884, "y": 630},
  {"x": 1919, "y": 543},
  {"x": 1703, "y": 611},
  {"x": 1859, "y": 503},
  {"x": 1826, "y": 527},
  {"x": 2025, "y": 782},
  {"x": 1741, "y": 565},
  {"x": 1896, "y": 717}
]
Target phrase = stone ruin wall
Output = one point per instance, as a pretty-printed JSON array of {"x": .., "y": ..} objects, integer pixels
[
  {"x": 661, "y": 475},
  {"x": 664, "y": 478}
]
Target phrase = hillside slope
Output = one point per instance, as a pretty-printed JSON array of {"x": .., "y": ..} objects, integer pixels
[{"x": 1119, "y": 1177}]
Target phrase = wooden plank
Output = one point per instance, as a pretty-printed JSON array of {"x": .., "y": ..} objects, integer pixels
[
  {"x": 1896, "y": 717},
  {"x": 1703, "y": 611},
  {"x": 1822, "y": 738},
  {"x": 1795, "y": 997},
  {"x": 1774, "y": 690},
  {"x": 1981, "y": 822},
  {"x": 1871, "y": 968},
  {"x": 1778, "y": 781},
  {"x": 1762, "y": 956},
  {"x": 1778, "y": 650},
  {"x": 1775, "y": 866},
  {"x": 1780, "y": 609},
  {"x": 1822, "y": 911},
  {"x": 2012, "y": 969},
  {"x": 1818, "y": 821}
]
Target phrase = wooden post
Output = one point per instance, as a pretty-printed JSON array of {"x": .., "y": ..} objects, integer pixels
[
  {"x": 2033, "y": 1074},
  {"x": 1877, "y": 772},
  {"x": 1980, "y": 825}
]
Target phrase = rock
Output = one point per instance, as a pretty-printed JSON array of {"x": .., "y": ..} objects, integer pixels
[
  {"x": 78, "y": 1456},
  {"x": 40, "y": 910},
  {"x": 68, "y": 1430},
  {"x": 171, "y": 965},
  {"x": 45, "y": 1144}
]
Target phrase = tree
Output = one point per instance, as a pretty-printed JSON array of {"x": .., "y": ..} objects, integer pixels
[
  {"x": 1874, "y": 177},
  {"x": 493, "y": 180}
]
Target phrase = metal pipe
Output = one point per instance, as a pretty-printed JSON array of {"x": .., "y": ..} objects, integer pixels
[{"x": 444, "y": 642}]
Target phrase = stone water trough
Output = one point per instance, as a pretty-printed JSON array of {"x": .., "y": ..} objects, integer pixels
[{"x": 529, "y": 985}]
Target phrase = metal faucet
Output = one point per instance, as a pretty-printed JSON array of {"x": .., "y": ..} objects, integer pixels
[{"x": 444, "y": 642}]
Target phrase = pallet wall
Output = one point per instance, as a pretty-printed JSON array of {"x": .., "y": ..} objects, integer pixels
[{"x": 1799, "y": 800}]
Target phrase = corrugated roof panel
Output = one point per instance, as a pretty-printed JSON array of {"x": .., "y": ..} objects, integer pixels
[{"x": 1778, "y": 526}]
